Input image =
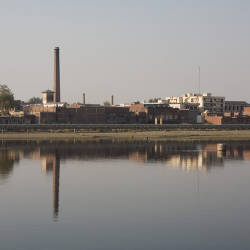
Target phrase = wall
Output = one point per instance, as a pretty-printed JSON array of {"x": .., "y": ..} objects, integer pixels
[
  {"x": 148, "y": 114},
  {"x": 246, "y": 111},
  {"x": 214, "y": 119},
  {"x": 218, "y": 120}
]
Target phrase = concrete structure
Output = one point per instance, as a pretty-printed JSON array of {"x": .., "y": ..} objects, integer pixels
[
  {"x": 205, "y": 101},
  {"x": 57, "y": 97}
]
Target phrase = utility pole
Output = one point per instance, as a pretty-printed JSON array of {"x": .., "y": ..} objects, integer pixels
[{"x": 199, "y": 79}]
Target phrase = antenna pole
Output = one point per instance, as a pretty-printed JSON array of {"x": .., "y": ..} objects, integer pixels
[{"x": 199, "y": 79}]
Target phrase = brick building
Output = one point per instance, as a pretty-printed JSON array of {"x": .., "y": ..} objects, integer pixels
[
  {"x": 219, "y": 120},
  {"x": 67, "y": 115},
  {"x": 76, "y": 114},
  {"x": 235, "y": 106},
  {"x": 96, "y": 114},
  {"x": 246, "y": 111},
  {"x": 161, "y": 113},
  {"x": 118, "y": 115}
]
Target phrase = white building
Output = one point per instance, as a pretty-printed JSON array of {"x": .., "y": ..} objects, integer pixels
[{"x": 205, "y": 101}]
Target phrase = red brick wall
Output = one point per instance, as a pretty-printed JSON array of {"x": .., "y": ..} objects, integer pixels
[
  {"x": 228, "y": 120},
  {"x": 214, "y": 119},
  {"x": 168, "y": 114},
  {"x": 138, "y": 108},
  {"x": 246, "y": 111},
  {"x": 116, "y": 110}
]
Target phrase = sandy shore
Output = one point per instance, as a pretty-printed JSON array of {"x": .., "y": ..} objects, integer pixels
[{"x": 173, "y": 135}]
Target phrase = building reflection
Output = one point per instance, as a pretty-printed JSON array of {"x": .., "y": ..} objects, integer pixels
[
  {"x": 50, "y": 161},
  {"x": 185, "y": 156},
  {"x": 200, "y": 157}
]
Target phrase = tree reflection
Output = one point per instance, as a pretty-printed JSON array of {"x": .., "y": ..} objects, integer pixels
[{"x": 7, "y": 161}]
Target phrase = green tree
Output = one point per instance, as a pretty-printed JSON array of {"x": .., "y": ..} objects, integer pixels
[
  {"x": 6, "y": 98},
  {"x": 106, "y": 103},
  {"x": 153, "y": 100},
  {"x": 35, "y": 100}
]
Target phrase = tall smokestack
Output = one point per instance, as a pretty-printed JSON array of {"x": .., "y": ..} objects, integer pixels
[
  {"x": 56, "y": 75},
  {"x": 83, "y": 99},
  {"x": 112, "y": 100}
]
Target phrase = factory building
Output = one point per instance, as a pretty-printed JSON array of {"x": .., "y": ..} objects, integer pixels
[
  {"x": 52, "y": 110},
  {"x": 83, "y": 115},
  {"x": 162, "y": 114}
]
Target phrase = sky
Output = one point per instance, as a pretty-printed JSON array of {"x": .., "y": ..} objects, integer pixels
[{"x": 132, "y": 49}]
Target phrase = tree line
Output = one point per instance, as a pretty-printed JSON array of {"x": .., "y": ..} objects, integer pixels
[{"x": 7, "y": 100}]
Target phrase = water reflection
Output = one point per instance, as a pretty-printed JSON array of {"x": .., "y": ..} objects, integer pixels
[
  {"x": 185, "y": 156},
  {"x": 51, "y": 163},
  {"x": 7, "y": 160},
  {"x": 50, "y": 158}
]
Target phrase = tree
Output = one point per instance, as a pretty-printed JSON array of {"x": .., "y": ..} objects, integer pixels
[
  {"x": 153, "y": 100},
  {"x": 6, "y": 98},
  {"x": 106, "y": 103},
  {"x": 35, "y": 100}
]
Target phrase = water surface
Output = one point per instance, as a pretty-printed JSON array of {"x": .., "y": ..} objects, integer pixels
[{"x": 58, "y": 195}]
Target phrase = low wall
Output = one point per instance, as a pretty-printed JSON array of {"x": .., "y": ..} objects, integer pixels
[{"x": 118, "y": 127}]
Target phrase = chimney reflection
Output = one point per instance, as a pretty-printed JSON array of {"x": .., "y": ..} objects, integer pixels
[
  {"x": 56, "y": 176},
  {"x": 51, "y": 163}
]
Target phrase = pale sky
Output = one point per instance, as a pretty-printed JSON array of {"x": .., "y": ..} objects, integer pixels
[{"x": 134, "y": 49}]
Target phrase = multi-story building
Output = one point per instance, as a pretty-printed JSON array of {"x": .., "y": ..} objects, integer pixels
[
  {"x": 181, "y": 106},
  {"x": 205, "y": 102},
  {"x": 235, "y": 106}
]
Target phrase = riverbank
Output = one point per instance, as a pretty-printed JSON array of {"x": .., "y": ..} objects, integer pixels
[{"x": 172, "y": 135}]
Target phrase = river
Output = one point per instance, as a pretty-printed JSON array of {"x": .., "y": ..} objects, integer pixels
[{"x": 147, "y": 196}]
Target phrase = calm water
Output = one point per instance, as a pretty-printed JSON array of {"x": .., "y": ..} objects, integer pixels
[{"x": 124, "y": 196}]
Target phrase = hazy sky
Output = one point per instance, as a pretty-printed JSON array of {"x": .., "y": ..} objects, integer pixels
[{"x": 134, "y": 49}]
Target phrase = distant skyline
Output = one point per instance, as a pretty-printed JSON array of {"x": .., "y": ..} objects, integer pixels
[{"x": 133, "y": 49}]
